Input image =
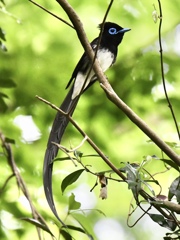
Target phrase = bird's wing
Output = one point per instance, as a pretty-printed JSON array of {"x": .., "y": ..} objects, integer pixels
[{"x": 83, "y": 63}]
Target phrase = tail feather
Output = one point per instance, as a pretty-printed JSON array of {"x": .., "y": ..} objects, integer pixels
[{"x": 59, "y": 125}]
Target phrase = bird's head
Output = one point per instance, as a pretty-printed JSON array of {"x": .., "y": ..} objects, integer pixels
[{"x": 112, "y": 32}]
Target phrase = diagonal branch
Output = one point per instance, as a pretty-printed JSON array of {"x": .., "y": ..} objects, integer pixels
[
  {"x": 145, "y": 195},
  {"x": 108, "y": 89},
  {"x": 95, "y": 52},
  {"x": 94, "y": 146}
]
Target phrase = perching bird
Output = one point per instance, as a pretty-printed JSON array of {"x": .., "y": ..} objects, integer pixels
[{"x": 112, "y": 36}]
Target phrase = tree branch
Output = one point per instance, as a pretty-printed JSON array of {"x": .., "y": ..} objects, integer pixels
[
  {"x": 109, "y": 90},
  {"x": 94, "y": 146},
  {"x": 145, "y": 195},
  {"x": 117, "y": 101}
]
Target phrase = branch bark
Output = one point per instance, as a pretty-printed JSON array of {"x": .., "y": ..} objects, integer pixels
[
  {"x": 107, "y": 161},
  {"x": 109, "y": 90}
]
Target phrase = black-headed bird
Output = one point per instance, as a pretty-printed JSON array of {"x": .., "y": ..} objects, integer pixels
[{"x": 112, "y": 35}]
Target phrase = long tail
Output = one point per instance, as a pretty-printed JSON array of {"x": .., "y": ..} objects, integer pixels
[{"x": 58, "y": 128}]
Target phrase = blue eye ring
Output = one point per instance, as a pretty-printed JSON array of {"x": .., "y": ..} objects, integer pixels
[{"x": 112, "y": 31}]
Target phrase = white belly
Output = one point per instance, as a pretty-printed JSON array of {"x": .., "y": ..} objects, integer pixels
[{"x": 105, "y": 59}]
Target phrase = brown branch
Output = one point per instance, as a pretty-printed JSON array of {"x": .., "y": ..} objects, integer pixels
[
  {"x": 141, "y": 124},
  {"x": 94, "y": 146},
  {"x": 108, "y": 89},
  {"x": 145, "y": 195},
  {"x": 82, "y": 37},
  {"x": 95, "y": 52},
  {"x": 115, "y": 99}
]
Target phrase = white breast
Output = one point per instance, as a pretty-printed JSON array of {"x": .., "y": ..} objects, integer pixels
[{"x": 105, "y": 59}]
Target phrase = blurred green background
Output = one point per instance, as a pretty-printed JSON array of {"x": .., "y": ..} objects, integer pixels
[{"x": 42, "y": 53}]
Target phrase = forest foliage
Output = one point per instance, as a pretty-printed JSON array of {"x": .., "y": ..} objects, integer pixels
[{"x": 37, "y": 57}]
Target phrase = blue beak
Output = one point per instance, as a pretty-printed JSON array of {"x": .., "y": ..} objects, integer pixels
[{"x": 124, "y": 30}]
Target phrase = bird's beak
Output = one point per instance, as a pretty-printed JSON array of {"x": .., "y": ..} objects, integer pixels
[{"x": 124, "y": 30}]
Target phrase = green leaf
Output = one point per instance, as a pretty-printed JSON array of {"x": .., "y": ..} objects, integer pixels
[
  {"x": 73, "y": 204},
  {"x": 85, "y": 224},
  {"x": 7, "y": 83},
  {"x": 66, "y": 235},
  {"x": 133, "y": 179},
  {"x": 78, "y": 229},
  {"x": 162, "y": 221},
  {"x": 37, "y": 224},
  {"x": 3, "y": 95},
  {"x": 71, "y": 178},
  {"x": 10, "y": 140},
  {"x": 90, "y": 155},
  {"x": 174, "y": 189},
  {"x": 2, "y": 34},
  {"x": 3, "y": 105},
  {"x": 171, "y": 164},
  {"x": 172, "y": 144},
  {"x": 78, "y": 154},
  {"x": 2, "y": 2},
  {"x": 3, "y": 46},
  {"x": 167, "y": 238},
  {"x": 149, "y": 187},
  {"x": 61, "y": 159}
]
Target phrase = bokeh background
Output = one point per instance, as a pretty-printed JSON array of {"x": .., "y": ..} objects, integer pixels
[{"x": 42, "y": 53}]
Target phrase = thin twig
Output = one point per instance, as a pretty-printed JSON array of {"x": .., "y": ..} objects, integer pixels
[
  {"x": 108, "y": 89},
  {"x": 82, "y": 37},
  {"x": 106, "y": 160},
  {"x": 77, "y": 147},
  {"x": 94, "y": 146},
  {"x": 54, "y": 15},
  {"x": 144, "y": 213},
  {"x": 162, "y": 71},
  {"x": 95, "y": 53},
  {"x": 98, "y": 43},
  {"x": 115, "y": 99},
  {"x": 102, "y": 28},
  {"x": 66, "y": 151},
  {"x": 6, "y": 182}
]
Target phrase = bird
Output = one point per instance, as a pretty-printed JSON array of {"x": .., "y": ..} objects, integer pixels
[{"x": 82, "y": 78}]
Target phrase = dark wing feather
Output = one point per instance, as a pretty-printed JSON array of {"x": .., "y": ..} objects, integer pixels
[{"x": 83, "y": 63}]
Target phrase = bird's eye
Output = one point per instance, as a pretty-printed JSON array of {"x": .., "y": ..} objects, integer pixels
[{"x": 112, "y": 31}]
